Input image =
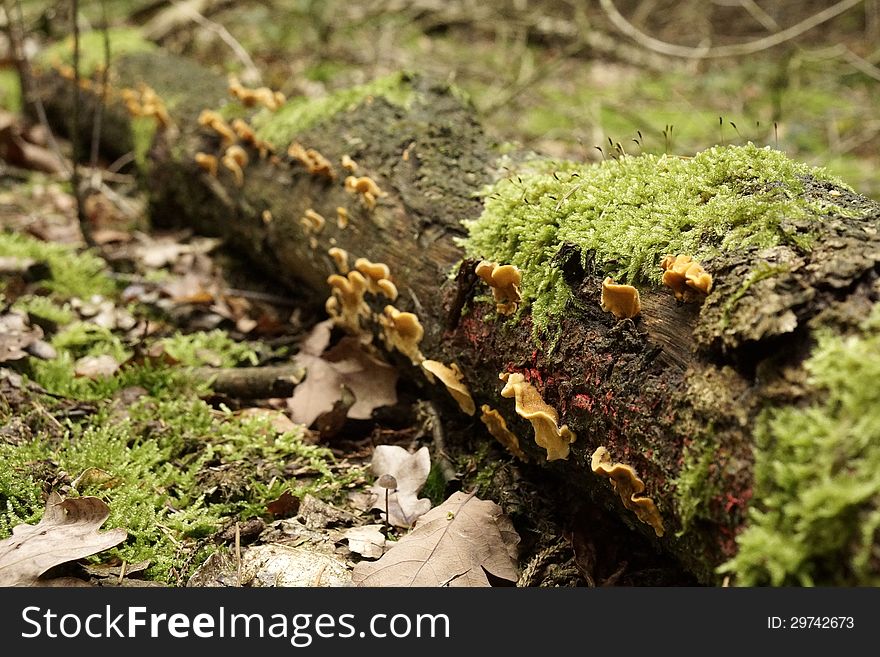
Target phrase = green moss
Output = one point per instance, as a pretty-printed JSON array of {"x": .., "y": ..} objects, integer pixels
[
  {"x": 213, "y": 348},
  {"x": 300, "y": 114},
  {"x": 816, "y": 509},
  {"x": 628, "y": 213},
  {"x": 74, "y": 274},
  {"x": 123, "y": 41},
  {"x": 143, "y": 130},
  {"x": 45, "y": 309},
  {"x": 10, "y": 90},
  {"x": 693, "y": 487},
  {"x": 178, "y": 471}
]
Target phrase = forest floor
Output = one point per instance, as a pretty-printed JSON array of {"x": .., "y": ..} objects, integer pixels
[{"x": 110, "y": 356}]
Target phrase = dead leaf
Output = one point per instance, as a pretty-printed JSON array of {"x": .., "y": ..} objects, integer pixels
[
  {"x": 67, "y": 531},
  {"x": 367, "y": 540},
  {"x": 96, "y": 367},
  {"x": 372, "y": 381},
  {"x": 16, "y": 336},
  {"x": 411, "y": 472},
  {"x": 94, "y": 477},
  {"x": 455, "y": 544},
  {"x": 285, "y": 506}
]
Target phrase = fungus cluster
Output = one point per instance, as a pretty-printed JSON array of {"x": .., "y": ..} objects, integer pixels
[
  {"x": 622, "y": 301},
  {"x": 505, "y": 281},
  {"x": 213, "y": 121},
  {"x": 349, "y": 164},
  {"x": 247, "y": 136},
  {"x": 346, "y": 303},
  {"x": 687, "y": 278},
  {"x": 402, "y": 331},
  {"x": 378, "y": 277},
  {"x": 366, "y": 187},
  {"x": 340, "y": 258},
  {"x": 629, "y": 487},
  {"x": 531, "y": 406},
  {"x": 264, "y": 96},
  {"x": 451, "y": 377},
  {"x": 498, "y": 428},
  {"x": 146, "y": 102},
  {"x": 312, "y": 222},
  {"x": 315, "y": 163},
  {"x": 235, "y": 159}
]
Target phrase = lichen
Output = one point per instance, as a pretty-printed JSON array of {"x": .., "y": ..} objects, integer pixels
[
  {"x": 298, "y": 115},
  {"x": 627, "y": 214},
  {"x": 816, "y": 511}
]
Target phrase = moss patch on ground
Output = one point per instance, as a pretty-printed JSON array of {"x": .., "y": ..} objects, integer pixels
[
  {"x": 627, "y": 214},
  {"x": 816, "y": 512},
  {"x": 298, "y": 115},
  {"x": 73, "y": 274}
]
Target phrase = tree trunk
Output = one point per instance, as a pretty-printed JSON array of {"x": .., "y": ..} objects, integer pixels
[{"x": 676, "y": 393}]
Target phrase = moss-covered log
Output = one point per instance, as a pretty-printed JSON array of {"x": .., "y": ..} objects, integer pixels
[{"x": 750, "y": 414}]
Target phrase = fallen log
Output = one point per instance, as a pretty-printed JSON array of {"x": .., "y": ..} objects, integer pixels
[{"x": 733, "y": 426}]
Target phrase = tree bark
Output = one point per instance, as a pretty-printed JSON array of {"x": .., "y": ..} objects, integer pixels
[{"x": 678, "y": 378}]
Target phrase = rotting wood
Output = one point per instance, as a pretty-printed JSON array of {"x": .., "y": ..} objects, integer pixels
[{"x": 649, "y": 389}]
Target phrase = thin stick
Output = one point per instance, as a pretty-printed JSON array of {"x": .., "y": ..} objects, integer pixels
[
  {"x": 735, "y": 50},
  {"x": 102, "y": 99},
  {"x": 81, "y": 216}
]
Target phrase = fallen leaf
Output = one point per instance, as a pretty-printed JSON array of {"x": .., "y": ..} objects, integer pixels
[
  {"x": 285, "y": 506},
  {"x": 67, "y": 531},
  {"x": 455, "y": 544},
  {"x": 16, "y": 335},
  {"x": 372, "y": 381},
  {"x": 411, "y": 472},
  {"x": 367, "y": 540}
]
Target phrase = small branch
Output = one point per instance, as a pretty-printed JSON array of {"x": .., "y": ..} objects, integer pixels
[
  {"x": 81, "y": 215},
  {"x": 102, "y": 98},
  {"x": 253, "y": 382},
  {"x": 735, "y": 50}
]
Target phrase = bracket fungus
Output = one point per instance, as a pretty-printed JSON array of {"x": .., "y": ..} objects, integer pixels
[
  {"x": 146, "y": 102},
  {"x": 505, "y": 281},
  {"x": 402, "y": 331},
  {"x": 264, "y": 96},
  {"x": 687, "y": 278},
  {"x": 451, "y": 377},
  {"x": 545, "y": 421},
  {"x": 248, "y": 136},
  {"x": 340, "y": 258},
  {"x": 498, "y": 428},
  {"x": 366, "y": 187},
  {"x": 207, "y": 163},
  {"x": 629, "y": 487},
  {"x": 346, "y": 305},
  {"x": 622, "y": 301},
  {"x": 315, "y": 163},
  {"x": 213, "y": 121},
  {"x": 312, "y": 222},
  {"x": 348, "y": 164},
  {"x": 235, "y": 159},
  {"x": 341, "y": 218}
]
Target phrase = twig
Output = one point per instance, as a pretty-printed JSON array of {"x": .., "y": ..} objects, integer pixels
[
  {"x": 102, "y": 98},
  {"x": 734, "y": 50},
  {"x": 253, "y": 72},
  {"x": 81, "y": 215},
  {"x": 238, "y": 554}
]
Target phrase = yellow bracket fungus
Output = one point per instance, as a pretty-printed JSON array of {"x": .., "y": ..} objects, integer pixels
[
  {"x": 451, "y": 377},
  {"x": 312, "y": 222},
  {"x": 248, "y": 136},
  {"x": 340, "y": 258},
  {"x": 387, "y": 288},
  {"x": 315, "y": 163},
  {"x": 498, "y": 428},
  {"x": 341, "y": 218},
  {"x": 629, "y": 487},
  {"x": 366, "y": 187},
  {"x": 346, "y": 305},
  {"x": 530, "y": 405},
  {"x": 687, "y": 278},
  {"x": 213, "y": 121},
  {"x": 622, "y": 301},
  {"x": 235, "y": 159},
  {"x": 264, "y": 96},
  {"x": 348, "y": 164},
  {"x": 505, "y": 281},
  {"x": 207, "y": 162},
  {"x": 402, "y": 331}
]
